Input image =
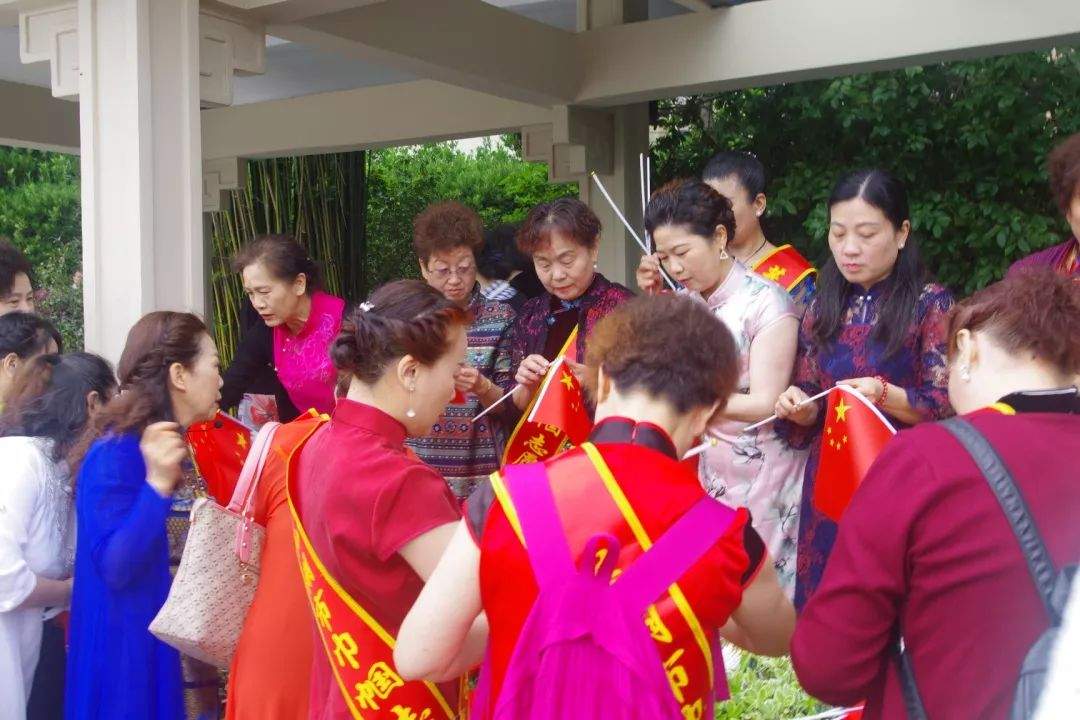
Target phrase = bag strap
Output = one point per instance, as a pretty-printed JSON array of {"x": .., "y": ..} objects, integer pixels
[
  {"x": 675, "y": 552},
  {"x": 912, "y": 702},
  {"x": 1016, "y": 510},
  {"x": 244, "y": 494},
  {"x": 541, "y": 528}
]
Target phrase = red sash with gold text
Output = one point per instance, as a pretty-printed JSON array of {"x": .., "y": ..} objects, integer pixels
[
  {"x": 360, "y": 651},
  {"x": 590, "y": 500},
  {"x": 784, "y": 266}
]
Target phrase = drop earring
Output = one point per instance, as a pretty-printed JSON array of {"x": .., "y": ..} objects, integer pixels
[
  {"x": 965, "y": 373},
  {"x": 723, "y": 254},
  {"x": 410, "y": 413}
]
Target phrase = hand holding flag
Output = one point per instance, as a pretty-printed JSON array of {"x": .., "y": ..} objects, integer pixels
[{"x": 854, "y": 434}]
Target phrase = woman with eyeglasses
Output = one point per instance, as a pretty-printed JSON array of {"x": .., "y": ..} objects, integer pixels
[{"x": 447, "y": 236}]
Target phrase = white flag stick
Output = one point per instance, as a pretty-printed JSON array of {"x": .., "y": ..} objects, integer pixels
[
  {"x": 648, "y": 194},
  {"x": 495, "y": 404},
  {"x": 713, "y": 439},
  {"x": 644, "y": 198},
  {"x": 626, "y": 224}
]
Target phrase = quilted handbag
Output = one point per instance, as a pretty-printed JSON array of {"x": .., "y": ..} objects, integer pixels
[{"x": 219, "y": 570}]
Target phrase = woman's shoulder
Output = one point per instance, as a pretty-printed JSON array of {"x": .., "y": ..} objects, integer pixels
[
  {"x": 27, "y": 457},
  {"x": 933, "y": 292},
  {"x": 111, "y": 450}
]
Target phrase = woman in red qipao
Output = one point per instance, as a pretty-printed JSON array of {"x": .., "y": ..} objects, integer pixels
[
  {"x": 375, "y": 517},
  {"x": 627, "y": 481}
]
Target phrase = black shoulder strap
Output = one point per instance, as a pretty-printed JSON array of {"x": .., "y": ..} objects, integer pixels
[{"x": 1016, "y": 510}]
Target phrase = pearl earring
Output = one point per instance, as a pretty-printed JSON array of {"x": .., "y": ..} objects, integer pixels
[{"x": 410, "y": 413}]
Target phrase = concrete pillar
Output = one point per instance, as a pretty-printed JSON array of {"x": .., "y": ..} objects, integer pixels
[
  {"x": 141, "y": 164},
  {"x": 619, "y": 253}
]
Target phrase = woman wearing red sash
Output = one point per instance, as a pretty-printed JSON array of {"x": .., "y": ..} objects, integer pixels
[
  {"x": 627, "y": 481},
  {"x": 376, "y": 517}
]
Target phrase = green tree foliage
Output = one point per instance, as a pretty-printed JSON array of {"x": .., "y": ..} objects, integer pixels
[
  {"x": 402, "y": 181},
  {"x": 39, "y": 213},
  {"x": 968, "y": 138}
]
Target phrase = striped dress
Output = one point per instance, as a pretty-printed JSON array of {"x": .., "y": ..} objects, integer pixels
[{"x": 462, "y": 451}]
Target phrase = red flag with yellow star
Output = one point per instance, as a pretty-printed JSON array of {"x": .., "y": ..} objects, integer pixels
[
  {"x": 854, "y": 434},
  {"x": 559, "y": 402},
  {"x": 561, "y": 414},
  {"x": 219, "y": 448}
]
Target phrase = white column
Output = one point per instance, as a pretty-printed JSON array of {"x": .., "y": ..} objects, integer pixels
[
  {"x": 619, "y": 254},
  {"x": 141, "y": 164}
]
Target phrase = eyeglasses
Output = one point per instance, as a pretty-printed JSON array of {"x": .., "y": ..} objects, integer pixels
[{"x": 444, "y": 274}]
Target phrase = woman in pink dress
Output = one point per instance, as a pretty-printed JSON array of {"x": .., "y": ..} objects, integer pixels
[
  {"x": 299, "y": 321},
  {"x": 691, "y": 224}
]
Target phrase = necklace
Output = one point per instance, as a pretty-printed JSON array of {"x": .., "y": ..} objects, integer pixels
[{"x": 750, "y": 257}]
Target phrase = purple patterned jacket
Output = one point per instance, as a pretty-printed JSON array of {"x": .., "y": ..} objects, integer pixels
[{"x": 531, "y": 328}]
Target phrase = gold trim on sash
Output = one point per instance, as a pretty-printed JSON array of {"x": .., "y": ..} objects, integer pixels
[{"x": 379, "y": 681}]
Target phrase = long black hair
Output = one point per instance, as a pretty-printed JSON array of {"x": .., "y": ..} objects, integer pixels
[
  {"x": 900, "y": 291},
  {"x": 49, "y": 400}
]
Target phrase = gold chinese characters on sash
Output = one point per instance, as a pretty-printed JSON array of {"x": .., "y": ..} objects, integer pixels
[{"x": 360, "y": 651}]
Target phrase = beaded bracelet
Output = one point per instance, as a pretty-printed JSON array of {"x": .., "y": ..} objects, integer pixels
[{"x": 880, "y": 402}]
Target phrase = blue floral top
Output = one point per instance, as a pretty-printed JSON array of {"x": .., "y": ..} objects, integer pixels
[{"x": 919, "y": 366}]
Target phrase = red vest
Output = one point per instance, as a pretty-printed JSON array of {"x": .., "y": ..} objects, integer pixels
[{"x": 634, "y": 493}]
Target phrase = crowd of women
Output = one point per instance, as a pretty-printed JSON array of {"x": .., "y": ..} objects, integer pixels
[{"x": 397, "y": 493}]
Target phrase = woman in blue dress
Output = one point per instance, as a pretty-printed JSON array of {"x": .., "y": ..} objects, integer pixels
[
  {"x": 875, "y": 324},
  {"x": 130, "y": 462}
]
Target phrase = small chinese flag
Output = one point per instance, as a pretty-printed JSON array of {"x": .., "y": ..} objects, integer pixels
[
  {"x": 219, "y": 448},
  {"x": 560, "y": 403},
  {"x": 855, "y": 433}
]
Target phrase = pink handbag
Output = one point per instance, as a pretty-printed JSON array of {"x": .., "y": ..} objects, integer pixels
[{"x": 219, "y": 570}]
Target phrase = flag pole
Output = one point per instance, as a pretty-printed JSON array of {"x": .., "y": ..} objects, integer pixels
[
  {"x": 713, "y": 439},
  {"x": 497, "y": 403},
  {"x": 629, "y": 228}
]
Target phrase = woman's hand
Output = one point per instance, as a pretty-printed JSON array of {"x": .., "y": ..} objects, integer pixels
[
  {"x": 579, "y": 370},
  {"x": 532, "y": 371},
  {"x": 869, "y": 387},
  {"x": 648, "y": 274},
  {"x": 793, "y": 405},
  {"x": 163, "y": 450},
  {"x": 470, "y": 380}
]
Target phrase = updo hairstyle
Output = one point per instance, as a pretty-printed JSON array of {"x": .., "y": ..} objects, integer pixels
[{"x": 405, "y": 317}]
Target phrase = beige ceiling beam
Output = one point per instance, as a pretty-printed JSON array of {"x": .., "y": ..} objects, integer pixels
[
  {"x": 35, "y": 119},
  {"x": 467, "y": 43},
  {"x": 372, "y": 117},
  {"x": 775, "y": 41}
]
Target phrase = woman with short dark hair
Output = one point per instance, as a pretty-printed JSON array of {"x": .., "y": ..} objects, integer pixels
[
  {"x": 55, "y": 397},
  {"x": 693, "y": 225},
  {"x": 875, "y": 324},
  {"x": 925, "y": 548},
  {"x": 16, "y": 286},
  {"x": 562, "y": 238},
  {"x": 23, "y": 336},
  {"x": 625, "y": 483},
  {"x": 298, "y": 321}
]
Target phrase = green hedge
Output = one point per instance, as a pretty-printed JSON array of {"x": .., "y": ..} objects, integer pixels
[{"x": 968, "y": 138}]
